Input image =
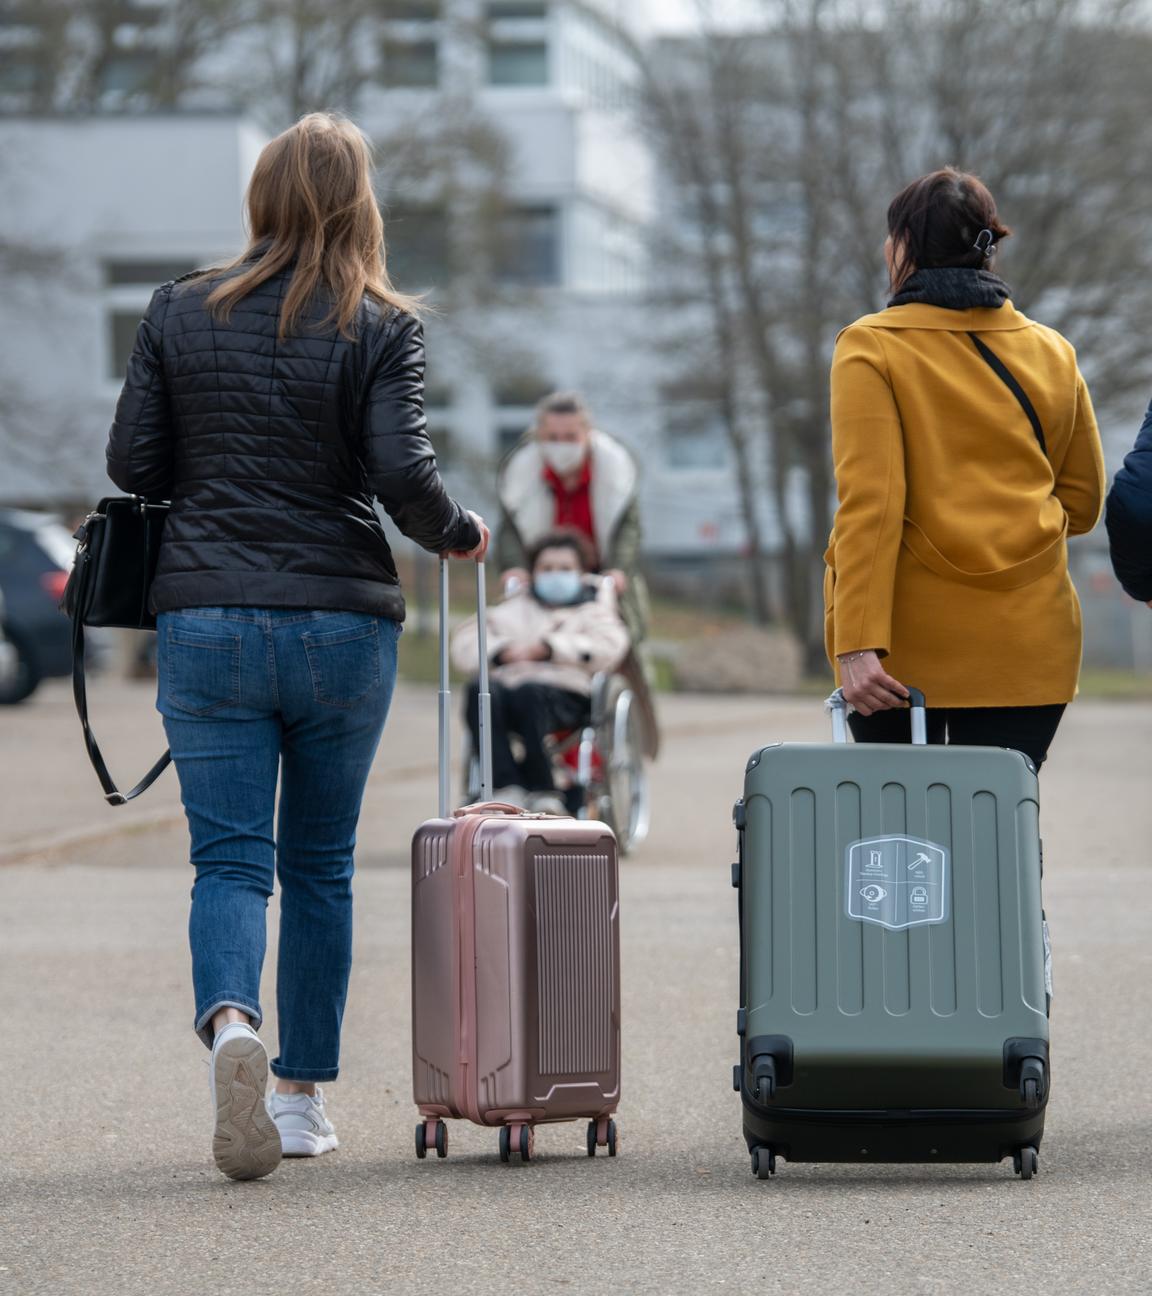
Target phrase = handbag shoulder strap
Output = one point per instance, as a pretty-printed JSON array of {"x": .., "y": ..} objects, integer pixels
[
  {"x": 112, "y": 793},
  {"x": 1008, "y": 378}
]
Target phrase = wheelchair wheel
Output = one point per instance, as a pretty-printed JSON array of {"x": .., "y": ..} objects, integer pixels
[{"x": 624, "y": 800}]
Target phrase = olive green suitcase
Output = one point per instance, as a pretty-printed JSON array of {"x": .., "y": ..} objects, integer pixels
[{"x": 894, "y": 980}]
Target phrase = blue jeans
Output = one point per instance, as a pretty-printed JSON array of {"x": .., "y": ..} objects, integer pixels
[{"x": 247, "y": 694}]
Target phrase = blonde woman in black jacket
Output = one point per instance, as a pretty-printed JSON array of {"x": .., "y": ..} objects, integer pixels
[{"x": 272, "y": 401}]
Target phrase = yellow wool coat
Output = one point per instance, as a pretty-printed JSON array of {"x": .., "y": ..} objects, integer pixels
[{"x": 949, "y": 549}]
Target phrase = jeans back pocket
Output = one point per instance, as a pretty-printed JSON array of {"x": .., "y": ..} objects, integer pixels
[
  {"x": 201, "y": 669},
  {"x": 344, "y": 662}
]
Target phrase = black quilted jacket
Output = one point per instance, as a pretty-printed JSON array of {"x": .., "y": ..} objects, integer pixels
[{"x": 271, "y": 451}]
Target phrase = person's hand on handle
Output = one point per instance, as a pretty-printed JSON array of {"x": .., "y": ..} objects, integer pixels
[
  {"x": 482, "y": 548},
  {"x": 867, "y": 686}
]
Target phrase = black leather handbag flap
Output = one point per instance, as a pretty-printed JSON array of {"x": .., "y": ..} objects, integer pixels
[{"x": 116, "y": 563}]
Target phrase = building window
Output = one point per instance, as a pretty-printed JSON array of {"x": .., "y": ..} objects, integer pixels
[
  {"x": 517, "y": 43},
  {"x": 441, "y": 438},
  {"x": 529, "y": 246},
  {"x": 118, "y": 273},
  {"x": 145, "y": 13},
  {"x": 437, "y": 396},
  {"x": 411, "y": 64},
  {"x": 517, "y": 63},
  {"x": 418, "y": 246},
  {"x": 122, "y": 338},
  {"x": 508, "y": 437},
  {"x": 19, "y": 73},
  {"x": 520, "y": 391},
  {"x": 129, "y": 72},
  {"x": 412, "y": 10},
  {"x": 498, "y": 9},
  {"x": 695, "y": 434}
]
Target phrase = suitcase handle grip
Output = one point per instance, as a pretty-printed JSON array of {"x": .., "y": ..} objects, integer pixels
[
  {"x": 488, "y": 808},
  {"x": 838, "y": 706}
]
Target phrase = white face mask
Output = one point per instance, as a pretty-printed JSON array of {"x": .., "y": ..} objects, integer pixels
[
  {"x": 563, "y": 456},
  {"x": 558, "y": 588}
]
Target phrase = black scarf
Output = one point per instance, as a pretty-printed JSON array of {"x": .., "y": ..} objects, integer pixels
[{"x": 954, "y": 289}]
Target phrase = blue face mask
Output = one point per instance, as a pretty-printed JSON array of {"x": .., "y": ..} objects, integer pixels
[{"x": 558, "y": 588}]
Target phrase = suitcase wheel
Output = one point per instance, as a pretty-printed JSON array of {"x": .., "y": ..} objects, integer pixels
[
  {"x": 763, "y": 1162},
  {"x": 602, "y": 1133},
  {"x": 522, "y": 1137},
  {"x": 431, "y": 1133},
  {"x": 1026, "y": 1162}
]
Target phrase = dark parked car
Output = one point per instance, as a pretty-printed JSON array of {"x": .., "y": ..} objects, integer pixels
[{"x": 36, "y": 555}]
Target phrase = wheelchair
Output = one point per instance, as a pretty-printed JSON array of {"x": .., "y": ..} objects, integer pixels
[{"x": 601, "y": 767}]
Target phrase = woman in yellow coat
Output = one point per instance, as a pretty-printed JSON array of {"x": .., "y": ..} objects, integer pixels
[{"x": 966, "y": 453}]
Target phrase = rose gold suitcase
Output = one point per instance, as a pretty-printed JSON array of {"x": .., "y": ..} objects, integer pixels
[{"x": 515, "y": 959}]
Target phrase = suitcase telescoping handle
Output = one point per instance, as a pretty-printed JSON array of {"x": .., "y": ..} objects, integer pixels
[
  {"x": 839, "y": 708},
  {"x": 485, "y": 700}
]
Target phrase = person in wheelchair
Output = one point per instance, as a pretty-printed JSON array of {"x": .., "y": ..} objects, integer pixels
[{"x": 546, "y": 642}]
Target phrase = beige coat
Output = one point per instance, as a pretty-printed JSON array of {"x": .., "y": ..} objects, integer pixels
[{"x": 585, "y": 639}]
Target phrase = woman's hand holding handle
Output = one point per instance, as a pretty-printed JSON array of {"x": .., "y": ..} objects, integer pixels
[
  {"x": 867, "y": 685},
  {"x": 482, "y": 548}
]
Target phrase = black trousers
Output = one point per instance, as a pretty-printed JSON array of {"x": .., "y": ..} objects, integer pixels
[
  {"x": 1026, "y": 729},
  {"x": 530, "y": 712}
]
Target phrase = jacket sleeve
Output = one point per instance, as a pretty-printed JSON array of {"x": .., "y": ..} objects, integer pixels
[
  {"x": 398, "y": 456},
  {"x": 594, "y": 637},
  {"x": 1080, "y": 481},
  {"x": 1129, "y": 518},
  {"x": 140, "y": 452},
  {"x": 628, "y": 540},
  {"x": 510, "y": 550},
  {"x": 868, "y": 452}
]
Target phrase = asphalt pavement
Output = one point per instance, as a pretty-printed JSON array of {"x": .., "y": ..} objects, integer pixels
[{"x": 106, "y": 1178}]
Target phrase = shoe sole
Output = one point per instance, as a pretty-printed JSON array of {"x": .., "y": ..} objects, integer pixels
[
  {"x": 299, "y": 1143},
  {"x": 246, "y": 1143}
]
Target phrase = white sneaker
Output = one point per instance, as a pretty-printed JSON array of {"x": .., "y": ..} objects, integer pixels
[
  {"x": 304, "y": 1128},
  {"x": 246, "y": 1144}
]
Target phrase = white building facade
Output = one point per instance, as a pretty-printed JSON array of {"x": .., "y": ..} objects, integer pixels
[
  {"x": 103, "y": 207},
  {"x": 99, "y": 211}
]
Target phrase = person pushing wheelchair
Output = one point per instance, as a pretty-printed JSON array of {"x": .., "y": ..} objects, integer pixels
[{"x": 546, "y": 642}]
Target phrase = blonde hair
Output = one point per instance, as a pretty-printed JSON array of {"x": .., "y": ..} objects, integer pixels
[{"x": 311, "y": 201}]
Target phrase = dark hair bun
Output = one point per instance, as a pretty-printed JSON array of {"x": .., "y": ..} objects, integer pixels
[{"x": 938, "y": 221}]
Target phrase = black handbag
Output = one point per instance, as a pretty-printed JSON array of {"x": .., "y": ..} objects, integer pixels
[{"x": 119, "y": 544}]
